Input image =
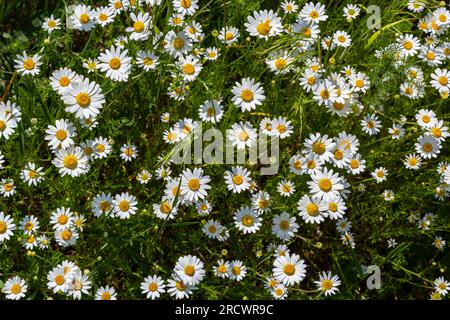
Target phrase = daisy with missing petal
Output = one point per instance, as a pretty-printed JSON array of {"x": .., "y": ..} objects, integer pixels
[
  {"x": 238, "y": 179},
  {"x": 379, "y": 174},
  {"x": 289, "y": 269},
  {"x": 141, "y": 26},
  {"x": 15, "y": 288},
  {"x": 279, "y": 62},
  {"x": 264, "y": 24},
  {"x": 242, "y": 135},
  {"x": 153, "y": 286},
  {"x": 311, "y": 209},
  {"x": 427, "y": 146},
  {"x": 189, "y": 67},
  {"x": 212, "y": 53},
  {"x": 91, "y": 65},
  {"x": 84, "y": 99},
  {"x": 412, "y": 161},
  {"x": 179, "y": 289},
  {"x": 71, "y": 161},
  {"x": 115, "y": 63},
  {"x": 61, "y": 79},
  {"x": 7, "y": 227},
  {"x": 83, "y": 18},
  {"x": 194, "y": 184},
  {"x": 125, "y": 205},
  {"x": 128, "y": 152},
  {"x": 237, "y": 270},
  {"x": 27, "y": 64},
  {"x": 29, "y": 225},
  {"x": 60, "y": 135},
  {"x": 284, "y": 226},
  {"x": 106, "y": 293},
  {"x": 211, "y": 111},
  {"x": 50, "y": 24},
  {"x": 247, "y": 220},
  {"x": 313, "y": 12},
  {"x": 185, "y": 7},
  {"x": 248, "y": 94},
  {"x": 190, "y": 269},
  {"x": 102, "y": 204},
  {"x": 370, "y": 124},
  {"x": 229, "y": 35},
  {"x": 327, "y": 283},
  {"x": 147, "y": 60}
]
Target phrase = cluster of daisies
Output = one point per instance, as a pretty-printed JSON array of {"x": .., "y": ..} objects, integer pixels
[{"x": 326, "y": 162}]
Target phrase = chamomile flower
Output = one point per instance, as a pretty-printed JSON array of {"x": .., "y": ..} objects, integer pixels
[
  {"x": 212, "y": 53},
  {"x": 78, "y": 284},
  {"x": 359, "y": 82},
  {"x": 289, "y": 6},
  {"x": 62, "y": 218},
  {"x": 397, "y": 131},
  {"x": 284, "y": 226},
  {"x": 84, "y": 99},
  {"x": 264, "y": 24},
  {"x": 237, "y": 270},
  {"x": 179, "y": 289},
  {"x": 61, "y": 79},
  {"x": 328, "y": 283},
  {"x": 190, "y": 269},
  {"x": 32, "y": 174},
  {"x": 309, "y": 209},
  {"x": 426, "y": 118},
  {"x": 116, "y": 63},
  {"x": 409, "y": 45},
  {"x": 27, "y": 64},
  {"x": 177, "y": 44},
  {"x": 60, "y": 135},
  {"x": 7, "y": 227},
  {"x": 50, "y": 24},
  {"x": 66, "y": 237},
  {"x": 102, "y": 147},
  {"x": 194, "y": 184},
  {"x": 211, "y": 111},
  {"x": 261, "y": 202},
  {"x": 185, "y": 7},
  {"x": 166, "y": 209},
  {"x": 141, "y": 26},
  {"x": 242, "y": 135},
  {"x": 7, "y": 187},
  {"x": 351, "y": 11},
  {"x": 416, "y": 5},
  {"x": 248, "y": 94},
  {"x": 125, "y": 205},
  {"x": 313, "y": 12},
  {"x": 83, "y": 18},
  {"x": 229, "y": 35},
  {"x": 380, "y": 174},
  {"x": 442, "y": 286},
  {"x": 153, "y": 286},
  {"x": 29, "y": 225},
  {"x": 289, "y": 269},
  {"x": 102, "y": 204},
  {"x": 147, "y": 60},
  {"x": 285, "y": 188},
  {"x": 247, "y": 220},
  {"x": 279, "y": 62},
  {"x": 440, "y": 80},
  {"x": 325, "y": 184},
  {"x": 128, "y": 152},
  {"x": 71, "y": 161},
  {"x": 370, "y": 124},
  {"x": 104, "y": 15},
  {"x": 15, "y": 288},
  {"x": 212, "y": 229},
  {"x": 144, "y": 176},
  {"x": 222, "y": 269},
  {"x": 203, "y": 207},
  {"x": 189, "y": 67},
  {"x": 439, "y": 131},
  {"x": 412, "y": 161},
  {"x": 279, "y": 292},
  {"x": 335, "y": 207},
  {"x": 319, "y": 147},
  {"x": 106, "y": 293},
  {"x": 57, "y": 280},
  {"x": 91, "y": 65},
  {"x": 427, "y": 146},
  {"x": 238, "y": 179},
  {"x": 342, "y": 39}
]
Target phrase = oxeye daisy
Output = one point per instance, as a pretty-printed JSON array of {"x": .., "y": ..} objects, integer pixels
[
  {"x": 153, "y": 286},
  {"x": 335, "y": 207},
  {"x": 229, "y": 35},
  {"x": 261, "y": 202},
  {"x": 57, "y": 280},
  {"x": 264, "y": 24},
  {"x": 27, "y": 64},
  {"x": 128, "y": 152},
  {"x": 147, "y": 60},
  {"x": 279, "y": 292},
  {"x": 242, "y": 135},
  {"x": 78, "y": 284},
  {"x": 342, "y": 39},
  {"x": 115, "y": 63},
  {"x": 166, "y": 209},
  {"x": 176, "y": 20},
  {"x": 237, "y": 270},
  {"x": 185, "y": 7},
  {"x": 247, "y": 220},
  {"x": 359, "y": 82},
  {"x": 91, "y": 65},
  {"x": 125, "y": 205},
  {"x": 426, "y": 118},
  {"x": 439, "y": 243},
  {"x": 15, "y": 288},
  {"x": 7, "y": 187},
  {"x": 311, "y": 209},
  {"x": 62, "y": 218},
  {"x": 281, "y": 127},
  {"x": 313, "y": 12},
  {"x": 284, "y": 226},
  {"x": 442, "y": 286},
  {"x": 370, "y": 124},
  {"x": 430, "y": 55},
  {"x": 409, "y": 45},
  {"x": 379, "y": 174},
  {"x": 7, "y": 227},
  {"x": 427, "y": 146},
  {"x": 279, "y": 62},
  {"x": 203, "y": 207},
  {"x": 106, "y": 293},
  {"x": 29, "y": 225},
  {"x": 416, "y": 5},
  {"x": 211, "y": 111},
  {"x": 71, "y": 161},
  {"x": 61, "y": 79},
  {"x": 248, "y": 94},
  {"x": 289, "y": 7},
  {"x": 412, "y": 161},
  {"x": 285, "y": 188},
  {"x": 189, "y": 67},
  {"x": 319, "y": 147},
  {"x": 84, "y": 99},
  {"x": 178, "y": 289},
  {"x": 104, "y": 15},
  {"x": 194, "y": 31},
  {"x": 212, "y": 229},
  {"x": 177, "y": 44},
  {"x": 141, "y": 26},
  {"x": 351, "y": 11},
  {"x": 43, "y": 242},
  {"x": 212, "y": 53},
  {"x": 102, "y": 147},
  {"x": 66, "y": 237},
  {"x": 144, "y": 176},
  {"x": 327, "y": 283},
  {"x": 238, "y": 179},
  {"x": 32, "y": 174},
  {"x": 60, "y": 135},
  {"x": 222, "y": 269},
  {"x": 397, "y": 131},
  {"x": 194, "y": 184},
  {"x": 82, "y": 18},
  {"x": 50, "y": 24},
  {"x": 325, "y": 93},
  {"x": 309, "y": 80},
  {"x": 441, "y": 79},
  {"x": 102, "y": 204},
  {"x": 439, "y": 131},
  {"x": 190, "y": 269},
  {"x": 289, "y": 269}
]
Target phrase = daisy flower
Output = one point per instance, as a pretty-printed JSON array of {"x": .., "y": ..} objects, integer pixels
[
  {"x": 313, "y": 12},
  {"x": 427, "y": 146},
  {"x": 165, "y": 210},
  {"x": 289, "y": 269},
  {"x": 102, "y": 147},
  {"x": 284, "y": 226},
  {"x": 106, "y": 293},
  {"x": 440, "y": 79},
  {"x": 211, "y": 111},
  {"x": 379, "y": 174},
  {"x": 351, "y": 11},
  {"x": 141, "y": 25},
  {"x": 61, "y": 79},
  {"x": 370, "y": 124},
  {"x": 179, "y": 289},
  {"x": 439, "y": 243},
  {"x": 153, "y": 286},
  {"x": 212, "y": 229},
  {"x": 7, "y": 187},
  {"x": 190, "y": 269},
  {"x": 31, "y": 174},
  {"x": 66, "y": 237},
  {"x": 7, "y": 227},
  {"x": 190, "y": 67},
  {"x": 279, "y": 292},
  {"x": 242, "y": 135},
  {"x": 342, "y": 39},
  {"x": 212, "y": 53},
  {"x": 327, "y": 283},
  {"x": 78, "y": 284},
  {"x": 185, "y": 7},
  {"x": 311, "y": 209},
  {"x": 285, "y": 188},
  {"x": 177, "y": 44},
  {"x": 335, "y": 207},
  {"x": 439, "y": 131},
  {"x": 442, "y": 286},
  {"x": 57, "y": 280},
  {"x": 237, "y": 270},
  {"x": 102, "y": 204},
  {"x": 397, "y": 131},
  {"x": 60, "y": 135},
  {"x": 83, "y": 18},
  {"x": 125, "y": 205},
  {"x": 282, "y": 128},
  {"x": 71, "y": 161},
  {"x": 229, "y": 35},
  {"x": 426, "y": 118},
  {"x": 261, "y": 202},
  {"x": 222, "y": 269},
  {"x": 27, "y": 64},
  {"x": 115, "y": 63},
  {"x": 412, "y": 161},
  {"x": 264, "y": 24},
  {"x": 144, "y": 176},
  {"x": 247, "y": 220},
  {"x": 289, "y": 7},
  {"x": 91, "y": 65},
  {"x": 104, "y": 15},
  {"x": 29, "y": 225},
  {"x": 325, "y": 184},
  {"x": 359, "y": 82},
  {"x": 147, "y": 60},
  {"x": 238, "y": 179},
  {"x": 194, "y": 184},
  {"x": 14, "y": 288},
  {"x": 248, "y": 94},
  {"x": 84, "y": 99},
  {"x": 50, "y": 24},
  {"x": 279, "y": 62},
  {"x": 409, "y": 45},
  {"x": 128, "y": 152}
]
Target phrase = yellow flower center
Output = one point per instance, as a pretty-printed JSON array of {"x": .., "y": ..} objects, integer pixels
[
  {"x": 222, "y": 269},
  {"x": 115, "y": 63},
  {"x": 66, "y": 235},
  {"x": 180, "y": 286},
  {"x": 59, "y": 279},
  {"x": 104, "y": 205},
  {"x": 165, "y": 207},
  {"x": 238, "y": 180},
  {"x": 325, "y": 184},
  {"x": 138, "y": 26},
  {"x": 176, "y": 20},
  {"x": 229, "y": 36},
  {"x": 263, "y": 203},
  {"x": 370, "y": 124},
  {"x": 189, "y": 270},
  {"x": 2, "y": 125},
  {"x": 83, "y": 99},
  {"x": 29, "y": 226},
  {"x": 16, "y": 288},
  {"x": 312, "y": 209},
  {"x": 318, "y": 147},
  {"x": 62, "y": 219},
  {"x": 325, "y": 94},
  {"x": 185, "y": 3},
  {"x": 100, "y": 148},
  {"x": 297, "y": 164},
  {"x": 407, "y": 45},
  {"x": 289, "y": 269},
  {"x": 412, "y": 161},
  {"x": 124, "y": 205},
  {"x": 359, "y": 83},
  {"x": 427, "y": 147},
  {"x": 148, "y": 61},
  {"x": 51, "y": 24},
  {"x": 314, "y": 14},
  {"x": 64, "y": 81},
  {"x": 306, "y": 32},
  {"x": 194, "y": 184},
  {"x": 332, "y": 206},
  {"x": 106, "y": 295},
  {"x": 264, "y": 28},
  {"x": 70, "y": 162},
  {"x": 284, "y": 225},
  {"x": 61, "y": 135},
  {"x": 247, "y": 95},
  {"x": 431, "y": 55},
  {"x": 443, "y": 80},
  {"x": 442, "y": 18},
  {"x": 29, "y": 64},
  {"x": 178, "y": 43},
  {"x": 129, "y": 152},
  {"x": 152, "y": 287},
  {"x": 188, "y": 69},
  {"x": 102, "y": 16},
  {"x": 243, "y": 136},
  {"x": 341, "y": 39},
  {"x": 212, "y": 229},
  {"x": 118, "y": 4},
  {"x": 327, "y": 284},
  {"x": 338, "y": 154},
  {"x": 84, "y": 18},
  {"x": 280, "y": 63},
  {"x": 3, "y": 227},
  {"x": 247, "y": 220},
  {"x": 8, "y": 186},
  {"x": 236, "y": 270}
]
